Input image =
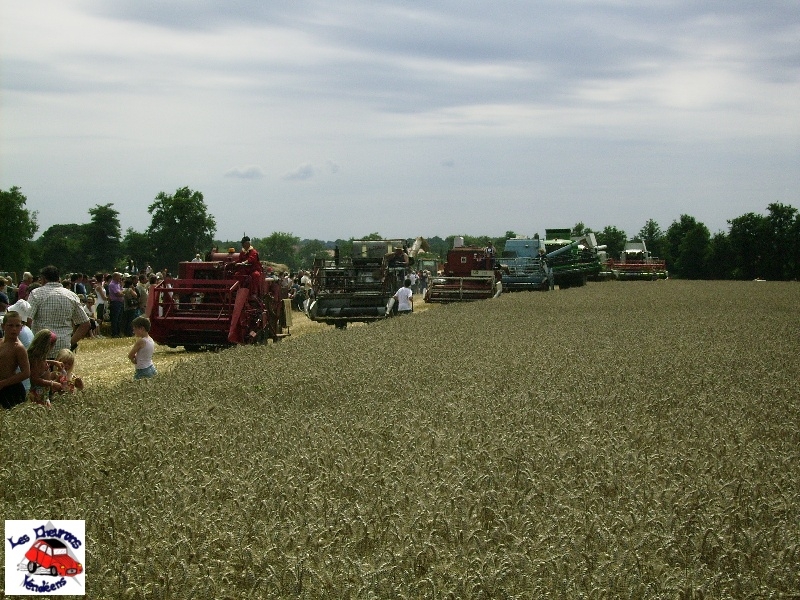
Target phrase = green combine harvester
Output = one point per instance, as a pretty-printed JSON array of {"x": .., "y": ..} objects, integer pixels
[{"x": 572, "y": 261}]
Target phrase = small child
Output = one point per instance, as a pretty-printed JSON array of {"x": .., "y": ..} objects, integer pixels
[
  {"x": 14, "y": 365},
  {"x": 43, "y": 381},
  {"x": 68, "y": 380},
  {"x": 142, "y": 352}
]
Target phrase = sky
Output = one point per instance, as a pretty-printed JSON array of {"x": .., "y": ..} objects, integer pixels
[{"x": 332, "y": 120}]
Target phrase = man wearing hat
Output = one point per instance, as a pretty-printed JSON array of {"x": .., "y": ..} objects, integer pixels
[{"x": 249, "y": 271}]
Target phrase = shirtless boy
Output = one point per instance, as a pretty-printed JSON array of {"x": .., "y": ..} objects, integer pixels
[{"x": 13, "y": 356}]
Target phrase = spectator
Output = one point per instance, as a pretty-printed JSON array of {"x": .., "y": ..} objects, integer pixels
[
  {"x": 4, "y": 292},
  {"x": 43, "y": 381},
  {"x": 76, "y": 284},
  {"x": 27, "y": 280},
  {"x": 14, "y": 364},
  {"x": 65, "y": 368},
  {"x": 90, "y": 309},
  {"x": 141, "y": 289},
  {"x": 58, "y": 309},
  {"x": 131, "y": 306},
  {"x": 142, "y": 352},
  {"x": 101, "y": 300},
  {"x": 3, "y": 302},
  {"x": 116, "y": 302},
  {"x": 23, "y": 309}
]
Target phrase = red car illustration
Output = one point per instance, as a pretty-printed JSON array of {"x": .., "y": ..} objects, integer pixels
[{"x": 52, "y": 554}]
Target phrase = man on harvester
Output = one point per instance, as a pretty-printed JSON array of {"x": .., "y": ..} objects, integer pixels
[{"x": 248, "y": 271}]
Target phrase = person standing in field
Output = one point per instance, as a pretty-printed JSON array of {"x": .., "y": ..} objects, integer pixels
[
  {"x": 141, "y": 354},
  {"x": 116, "y": 304},
  {"x": 14, "y": 365},
  {"x": 58, "y": 309},
  {"x": 404, "y": 297}
]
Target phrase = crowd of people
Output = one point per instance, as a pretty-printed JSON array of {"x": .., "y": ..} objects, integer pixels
[{"x": 43, "y": 325}]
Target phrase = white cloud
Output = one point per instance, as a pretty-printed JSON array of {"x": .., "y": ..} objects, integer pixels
[
  {"x": 302, "y": 173},
  {"x": 248, "y": 172}
]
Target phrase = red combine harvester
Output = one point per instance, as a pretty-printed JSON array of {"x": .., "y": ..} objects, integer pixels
[
  {"x": 468, "y": 275},
  {"x": 635, "y": 262},
  {"x": 210, "y": 305}
]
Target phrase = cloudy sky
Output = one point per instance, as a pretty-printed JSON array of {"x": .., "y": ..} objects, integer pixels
[{"x": 338, "y": 119}]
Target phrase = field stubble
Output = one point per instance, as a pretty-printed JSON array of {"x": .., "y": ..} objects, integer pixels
[{"x": 631, "y": 440}]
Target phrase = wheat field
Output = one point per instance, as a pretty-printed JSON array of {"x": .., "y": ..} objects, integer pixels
[{"x": 620, "y": 440}]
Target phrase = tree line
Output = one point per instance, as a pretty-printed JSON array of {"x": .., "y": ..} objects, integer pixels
[{"x": 755, "y": 245}]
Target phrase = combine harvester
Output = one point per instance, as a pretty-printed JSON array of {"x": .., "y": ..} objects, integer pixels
[
  {"x": 572, "y": 260},
  {"x": 468, "y": 274},
  {"x": 635, "y": 262},
  {"x": 358, "y": 288},
  {"x": 211, "y": 306},
  {"x": 524, "y": 266}
]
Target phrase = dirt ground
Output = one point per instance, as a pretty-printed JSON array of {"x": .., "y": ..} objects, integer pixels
[{"x": 104, "y": 361}]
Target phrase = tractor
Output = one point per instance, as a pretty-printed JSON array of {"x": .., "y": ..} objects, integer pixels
[
  {"x": 211, "y": 305},
  {"x": 468, "y": 274}
]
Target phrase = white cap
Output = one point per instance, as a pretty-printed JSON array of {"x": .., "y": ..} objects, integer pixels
[{"x": 23, "y": 307}]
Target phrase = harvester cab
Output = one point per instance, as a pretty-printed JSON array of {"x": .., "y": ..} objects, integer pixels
[
  {"x": 524, "y": 266},
  {"x": 210, "y": 305},
  {"x": 468, "y": 274},
  {"x": 357, "y": 288}
]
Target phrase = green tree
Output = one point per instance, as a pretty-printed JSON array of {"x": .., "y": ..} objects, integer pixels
[
  {"x": 781, "y": 242},
  {"x": 720, "y": 257},
  {"x": 747, "y": 239},
  {"x": 688, "y": 248},
  {"x": 180, "y": 227},
  {"x": 102, "y": 239},
  {"x": 580, "y": 229},
  {"x": 614, "y": 239},
  {"x": 19, "y": 227},
  {"x": 62, "y": 246},
  {"x": 280, "y": 248},
  {"x": 310, "y": 250},
  {"x": 135, "y": 246},
  {"x": 653, "y": 237}
]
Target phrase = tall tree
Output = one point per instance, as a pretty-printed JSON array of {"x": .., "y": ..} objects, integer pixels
[
  {"x": 102, "y": 243},
  {"x": 62, "y": 246},
  {"x": 748, "y": 240},
  {"x": 781, "y": 242},
  {"x": 653, "y": 238},
  {"x": 180, "y": 227},
  {"x": 280, "y": 248},
  {"x": 720, "y": 257},
  {"x": 310, "y": 250},
  {"x": 19, "y": 226},
  {"x": 135, "y": 246},
  {"x": 688, "y": 244}
]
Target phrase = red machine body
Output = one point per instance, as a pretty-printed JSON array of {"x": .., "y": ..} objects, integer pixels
[
  {"x": 468, "y": 274},
  {"x": 210, "y": 305}
]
